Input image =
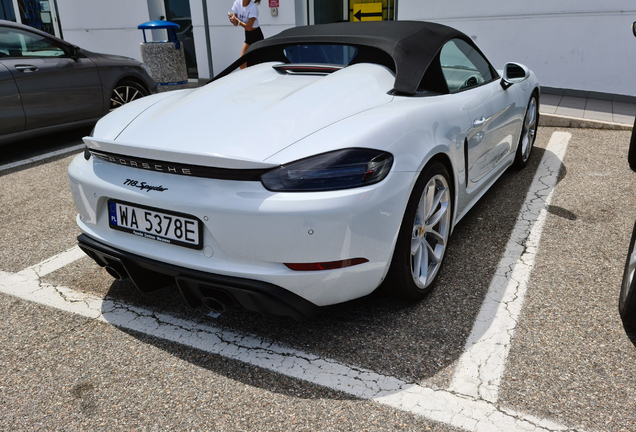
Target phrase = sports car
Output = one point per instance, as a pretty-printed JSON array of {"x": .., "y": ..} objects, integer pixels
[{"x": 337, "y": 162}]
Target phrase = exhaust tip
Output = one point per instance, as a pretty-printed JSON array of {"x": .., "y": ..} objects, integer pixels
[
  {"x": 215, "y": 305},
  {"x": 114, "y": 273}
]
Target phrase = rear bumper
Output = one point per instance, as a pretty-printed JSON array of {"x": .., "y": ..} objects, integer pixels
[
  {"x": 250, "y": 232},
  {"x": 197, "y": 288}
]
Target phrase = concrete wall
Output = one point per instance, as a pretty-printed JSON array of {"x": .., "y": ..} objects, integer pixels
[{"x": 573, "y": 44}]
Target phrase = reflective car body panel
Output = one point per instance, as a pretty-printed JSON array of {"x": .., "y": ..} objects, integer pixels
[
  {"x": 258, "y": 99},
  {"x": 497, "y": 118},
  {"x": 71, "y": 86},
  {"x": 11, "y": 111}
]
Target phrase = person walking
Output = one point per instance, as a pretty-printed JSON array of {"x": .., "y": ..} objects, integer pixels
[{"x": 245, "y": 14}]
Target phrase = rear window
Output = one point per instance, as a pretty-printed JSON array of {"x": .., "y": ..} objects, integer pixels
[{"x": 321, "y": 54}]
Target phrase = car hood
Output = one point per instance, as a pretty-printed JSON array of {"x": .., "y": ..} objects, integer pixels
[{"x": 245, "y": 119}]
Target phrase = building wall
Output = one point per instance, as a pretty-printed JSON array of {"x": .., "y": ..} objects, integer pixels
[
  {"x": 227, "y": 40},
  {"x": 583, "y": 45},
  {"x": 104, "y": 26}
]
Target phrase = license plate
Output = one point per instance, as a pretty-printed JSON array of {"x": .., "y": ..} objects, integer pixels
[{"x": 155, "y": 224}]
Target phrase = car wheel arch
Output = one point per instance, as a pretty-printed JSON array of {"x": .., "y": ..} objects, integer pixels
[
  {"x": 393, "y": 277},
  {"x": 118, "y": 98},
  {"x": 439, "y": 153},
  {"x": 134, "y": 79},
  {"x": 445, "y": 160}
]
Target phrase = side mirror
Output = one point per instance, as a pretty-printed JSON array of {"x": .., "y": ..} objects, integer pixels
[
  {"x": 75, "y": 52},
  {"x": 634, "y": 28},
  {"x": 514, "y": 73}
]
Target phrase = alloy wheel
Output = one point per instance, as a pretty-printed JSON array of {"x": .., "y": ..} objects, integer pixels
[
  {"x": 122, "y": 95},
  {"x": 431, "y": 229},
  {"x": 529, "y": 129}
]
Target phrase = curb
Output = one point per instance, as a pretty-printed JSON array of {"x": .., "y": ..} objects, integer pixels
[{"x": 553, "y": 120}]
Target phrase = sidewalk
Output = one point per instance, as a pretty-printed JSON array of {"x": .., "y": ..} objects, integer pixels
[{"x": 568, "y": 111}]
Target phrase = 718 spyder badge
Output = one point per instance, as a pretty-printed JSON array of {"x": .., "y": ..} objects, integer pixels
[{"x": 144, "y": 186}]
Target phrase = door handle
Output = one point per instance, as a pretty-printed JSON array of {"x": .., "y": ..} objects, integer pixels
[
  {"x": 480, "y": 121},
  {"x": 26, "y": 68}
]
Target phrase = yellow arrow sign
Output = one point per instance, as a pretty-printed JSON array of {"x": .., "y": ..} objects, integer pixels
[{"x": 367, "y": 12}]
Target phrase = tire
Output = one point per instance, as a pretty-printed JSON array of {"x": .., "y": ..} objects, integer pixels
[
  {"x": 528, "y": 133},
  {"x": 423, "y": 236},
  {"x": 126, "y": 92},
  {"x": 631, "y": 156},
  {"x": 627, "y": 298}
]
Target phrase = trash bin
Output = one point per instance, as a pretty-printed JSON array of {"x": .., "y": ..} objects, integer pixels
[{"x": 166, "y": 59}]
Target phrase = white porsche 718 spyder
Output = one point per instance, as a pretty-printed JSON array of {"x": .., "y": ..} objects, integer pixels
[{"x": 340, "y": 159}]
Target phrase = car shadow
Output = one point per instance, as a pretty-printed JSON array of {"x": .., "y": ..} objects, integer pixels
[
  {"x": 416, "y": 342},
  {"x": 33, "y": 147},
  {"x": 631, "y": 334}
]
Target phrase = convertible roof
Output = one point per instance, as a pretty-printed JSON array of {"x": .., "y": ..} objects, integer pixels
[{"x": 406, "y": 47}]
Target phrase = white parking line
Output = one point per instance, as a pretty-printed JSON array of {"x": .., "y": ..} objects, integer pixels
[
  {"x": 470, "y": 403},
  {"x": 54, "y": 263},
  {"x": 482, "y": 365},
  {"x": 437, "y": 405},
  {"x": 41, "y": 157}
]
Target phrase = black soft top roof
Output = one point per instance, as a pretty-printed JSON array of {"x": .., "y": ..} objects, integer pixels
[{"x": 406, "y": 47}]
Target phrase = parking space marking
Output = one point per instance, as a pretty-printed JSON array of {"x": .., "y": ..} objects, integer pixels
[
  {"x": 54, "y": 263},
  {"x": 482, "y": 364},
  {"x": 438, "y": 405},
  {"x": 41, "y": 157}
]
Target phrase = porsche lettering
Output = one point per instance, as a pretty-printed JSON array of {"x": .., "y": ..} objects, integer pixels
[{"x": 144, "y": 165}]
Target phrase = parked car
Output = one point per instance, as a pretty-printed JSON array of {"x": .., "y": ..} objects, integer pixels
[
  {"x": 627, "y": 298},
  {"x": 48, "y": 85},
  {"x": 339, "y": 160}
]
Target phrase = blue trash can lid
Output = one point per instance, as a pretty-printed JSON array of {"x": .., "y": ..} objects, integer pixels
[{"x": 159, "y": 24}]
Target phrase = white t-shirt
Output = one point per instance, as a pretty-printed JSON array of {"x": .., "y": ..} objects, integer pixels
[{"x": 245, "y": 13}]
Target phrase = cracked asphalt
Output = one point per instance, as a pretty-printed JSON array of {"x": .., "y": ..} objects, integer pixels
[{"x": 570, "y": 359}]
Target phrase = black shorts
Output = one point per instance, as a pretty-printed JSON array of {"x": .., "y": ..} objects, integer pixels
[{"x": 253, "y": 36}]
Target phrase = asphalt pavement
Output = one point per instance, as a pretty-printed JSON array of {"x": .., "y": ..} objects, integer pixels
[
  {"x": 570, "y": 363},
  {"x": 571, "y": 358}
]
